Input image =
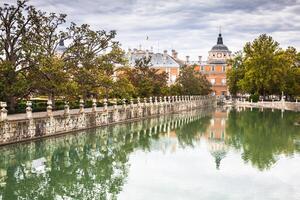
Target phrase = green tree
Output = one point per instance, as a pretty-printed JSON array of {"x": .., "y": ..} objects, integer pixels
[
  {"x": 263, "y": 68},
  {"x": 17, "y": 23},
  {"x": 191, "y": 82},
  {"x": 93, "y": 58},
  {"x": 235, "y": 73},
  {"x": 147, "y": 80}
]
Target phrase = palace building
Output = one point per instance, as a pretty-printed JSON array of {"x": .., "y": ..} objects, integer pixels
[
  {"x": 215, "y": 67},
  {"x": 163, "y": 62}
]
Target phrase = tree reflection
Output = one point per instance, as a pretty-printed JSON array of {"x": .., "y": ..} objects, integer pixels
[
  {"x": 90, "y": 165},
  {"x": 263, "y": 136}
]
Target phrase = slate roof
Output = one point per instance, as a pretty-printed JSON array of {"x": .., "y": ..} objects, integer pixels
[{"x": 157, "y": 59}]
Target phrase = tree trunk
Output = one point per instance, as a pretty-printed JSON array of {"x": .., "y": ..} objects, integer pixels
[{"x": 12, "y": 104}]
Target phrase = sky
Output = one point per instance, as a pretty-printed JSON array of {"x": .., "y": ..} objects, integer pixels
[{"x": 190, "y": 27}]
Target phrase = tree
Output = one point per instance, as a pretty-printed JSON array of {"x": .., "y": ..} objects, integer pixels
[
  {"x": 263, "y": 68},
  {"x": 16, "y": 25},
  {"x": 235, "y": 73},
  {"x": 92, "y": 58},
  {"x": 147, "y": 80},
  {"x": 191, "y": 82},
  {"x": 48, "y": 74}
]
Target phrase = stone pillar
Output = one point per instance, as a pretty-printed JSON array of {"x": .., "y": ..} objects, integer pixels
[
  {"x": 115, "y": 111},
  {"x": 94, "y": 105},
  {"x": 131, "y": 108},
  {"x": 66, "y": 108},
  {"x": 124, "y": 103},
  {"x": 138, "y": 101},
  {"x": 155, "y": 101},
  {"x": 105, "y": 104},
  {"x": 3, "y": 111},
  {"x": 151, "y": 103},
  {"x": 28, "y": 110},
  {"x": 115, "y": 104},
  {"x": 81, "y": 106},
  {"x": 49, "y": 108}
]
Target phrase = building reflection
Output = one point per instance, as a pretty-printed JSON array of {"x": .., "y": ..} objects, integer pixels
[{"x": 216, "y": 136}]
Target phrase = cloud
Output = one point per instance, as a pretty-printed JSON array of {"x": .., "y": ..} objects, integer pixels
[{"x": 189, "y": 26}]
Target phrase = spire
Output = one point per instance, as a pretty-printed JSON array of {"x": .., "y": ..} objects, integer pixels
[{"x": 220, "y": 39}]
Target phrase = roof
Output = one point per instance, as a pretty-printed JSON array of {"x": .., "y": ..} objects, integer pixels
[
  {"x": 220, "y": 46},
  {"x": 157, "y": 59}
]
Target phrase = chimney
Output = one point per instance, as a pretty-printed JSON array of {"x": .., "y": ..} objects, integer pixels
[
  {"x": 165, "y": 54},
  {"x": 187, "y": 59},
  {"x": 200, "y": 59},
  {"x": 174, "y": 54},
  {"x": 147, "y": 54},
  {"x": 129, "y": 53}
]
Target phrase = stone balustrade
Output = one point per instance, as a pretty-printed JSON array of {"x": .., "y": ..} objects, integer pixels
[
  {"x": 282, "y": 105},
  {"x": 52, "y": 123}
]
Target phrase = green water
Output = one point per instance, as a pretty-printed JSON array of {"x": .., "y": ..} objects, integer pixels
[{"x": 205, "y": 154}]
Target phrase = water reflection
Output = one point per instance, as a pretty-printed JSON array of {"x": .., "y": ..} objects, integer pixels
[
  {"x": 95, "y": 164},
  {"x": 263, "y": 136}
]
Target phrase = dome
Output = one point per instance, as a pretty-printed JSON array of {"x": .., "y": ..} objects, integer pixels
[{"x": 220, "y": 47}]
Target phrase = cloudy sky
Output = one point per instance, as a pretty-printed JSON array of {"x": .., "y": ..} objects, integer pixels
[{"x": 189, "y": 26}]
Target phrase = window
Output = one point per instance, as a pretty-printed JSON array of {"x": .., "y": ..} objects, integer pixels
[
  {"x": 223, "y": 81},
  {"x": 212, "y": 134},
  {"x": 173, "y": 78},
  {"x": 213, "y": 68},
  {"x": 212, "y": 81},
  {"x": 224, "y": 68},
  {"x": 202, "y": 68},
  {"x": 223, "y": 135}
]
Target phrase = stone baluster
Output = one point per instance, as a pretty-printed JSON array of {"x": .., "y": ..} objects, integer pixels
[
  {"x": 176, "y": 98},
  {"x": 169, "y": 99},
  {"x": 115, "y": 104},
  {"x": 115, "y": 111},
  {"x": 49, "y": 108},
  {"x": 155, "y": 100},
  {"x": 105, "y": 104},
  {"x": 131, "y": 108},
  {"x": 94, "y": 105},
  {"x": 145, "y": 101},
  {"x": 3, "y": 111},
  {"x": 150, "y": 100},
  {"x": 28, "y": 110},
  {"x": 66, "y": 108},
  {"x": 124, "y": 103},
  {"x": 165, "y": 100},
  {"x": 131, "y": 103},
  {"x": 138, "y": 101},
  {"x": 81, "y": 106}
]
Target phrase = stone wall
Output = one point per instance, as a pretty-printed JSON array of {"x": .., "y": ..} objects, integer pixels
[{"x": 35, "y": 127}]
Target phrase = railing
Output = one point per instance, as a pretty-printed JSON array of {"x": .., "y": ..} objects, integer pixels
[
  {"x": 14, "y": 128},
  {"x": 282, "y": 105}
]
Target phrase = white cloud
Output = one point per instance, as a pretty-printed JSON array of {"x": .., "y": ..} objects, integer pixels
[{"x": 189, "y": 26}]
